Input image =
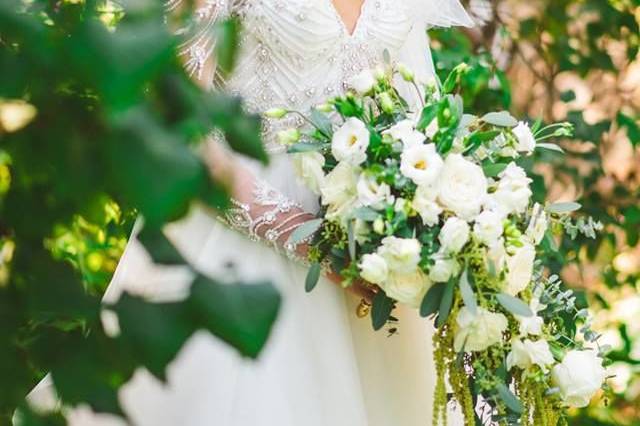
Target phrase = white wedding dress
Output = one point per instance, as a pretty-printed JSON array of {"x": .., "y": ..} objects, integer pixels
[{"x": 322, "y": 366}]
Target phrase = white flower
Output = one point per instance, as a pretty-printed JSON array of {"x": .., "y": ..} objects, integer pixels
[
  {"x": 525, "y": 354},
  {"x": 424, "y": 202},
  {"x": 364, "y": 82},
  {"x": 308, "y": 166},
  {"x": 512, "y": 194},
  {"x": 402, "y": 254},
  {"x": 532, "y": 324},
  {"x": 462, "y": 187},
  {"x": 373, "y": 268},
  {"x": 407, "y": 288},
  {"x": 454, "y": 235},
  {"x": 520, "y": 269},
  {"x": 421, "y": 163},
  {"x": 350, "y": 142},
  {"x": 338, "y": 191},
  {"x": 405, "y": 132},
  {"x": 537, "y": 225},
  {"x": 476, "y": 332},
  {"x": 444, "y": 268},
  {"x": 488, "y": 227},
  {"x": 371, "y": 193},
  {"x": 579, "y": 376},
  {"x": 526, "y": 140}
]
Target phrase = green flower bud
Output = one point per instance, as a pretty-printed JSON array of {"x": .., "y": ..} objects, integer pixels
[
  {"x": 326, "y": 108},
  {"x": 378, "y": 226},
  {"x": 386, "y": 102},
  {"x": 289, "y": 136},
  {"x": 276, "y": 113},
  {"x": 406, "y": 73}
]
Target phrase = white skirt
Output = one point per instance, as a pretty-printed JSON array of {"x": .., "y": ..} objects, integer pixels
[{"x": 322, "y": 366}]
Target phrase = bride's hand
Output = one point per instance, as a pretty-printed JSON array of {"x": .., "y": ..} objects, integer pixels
[{"x": 360, "y": 288}]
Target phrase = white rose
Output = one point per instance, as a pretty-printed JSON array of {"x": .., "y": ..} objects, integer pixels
[
  {"x": 371, "y": 193},
  {"x": 462, "y": 187},
  {"x": 520, "y": 269},
  {"x": 363, "y": 82},
  {"x": 526, "y": 140},
  {"x": 405, "y": 132},
  {"x": 421, "y": 163},
  {"x": 308, "y": 166},
  {"x": 525, "y": 354},
  {"x": 444, "y": 268},
  {"x": 476, "y": 332},
  {"x": 579, "y": 376},
  {"x": 338, "y": 191},
  {"x": 513, "y": 193},
  {"x": 402, "y": 254},
  {"x": 424, "y": 202},
  {"x": 350, "y": 142},
  {"x": 454, "y": 235},
  {"x": 373, "y": 268},
  {"x": 488, "y": 227},
  {"x": 532, "y": 324},
  {"x": 407, "y": 288},
  {"x": 537, "y": 225}
]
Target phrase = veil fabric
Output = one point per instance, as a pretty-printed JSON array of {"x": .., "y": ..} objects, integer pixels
[{"x": 439, "y": 13}]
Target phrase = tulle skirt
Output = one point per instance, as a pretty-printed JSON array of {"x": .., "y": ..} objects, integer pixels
[{"x": 322, "y": 366}]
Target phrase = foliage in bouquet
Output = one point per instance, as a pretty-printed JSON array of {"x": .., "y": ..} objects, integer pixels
[{"x": 431, "y": 207}]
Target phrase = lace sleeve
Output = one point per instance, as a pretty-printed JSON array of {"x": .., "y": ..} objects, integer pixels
[{"x": 258, "y": 210}]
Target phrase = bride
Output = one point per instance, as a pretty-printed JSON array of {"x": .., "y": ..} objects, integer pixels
[{"x": 322, "y": 365}]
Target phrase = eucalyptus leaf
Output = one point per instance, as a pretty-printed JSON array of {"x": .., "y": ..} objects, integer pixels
[
  {"x": 303, "y": 231},
  {"x": 493, "y": 169},
  {"x": 351, "y": 235},
  {"x": 381, "y": 310},
  {"x": 466, "y": 292},
  {"x": 514, "y": 305},
  {"x": 313, "y": 276},
  {"x": 445, "y": 304},
  {"x": 322, "y": 122},
  {"x": 431, "y": 301},
  {"x": 305, "y": 147},
  {"x": 510, "y": 400},
  {"x": 562, "y": 208},
  {"x": 550, "y": 147},
  {"x": 501, "y": 119},
  {"x": 365, "y": 213}
]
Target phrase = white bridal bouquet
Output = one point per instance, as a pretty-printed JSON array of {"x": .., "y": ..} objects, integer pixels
[{"x": 434, "y": 208}]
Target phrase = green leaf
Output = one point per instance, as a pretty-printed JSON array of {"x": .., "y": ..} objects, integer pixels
[
  {"x": 381, "y": 310},
  {"x": 476, "y": 139},
  {"x": 227, "y": 35},
  {"x": 493, "y": 169},
  {"x": 427, "y": 116},
  {"x": 466, "y": 292},
  {"x": 509, "y": 399},
  {"x": 433, "y": 298},
  {"x": 159, "y": 247},
  {"x": 322, "y": 122},
  {"x": 550, "y": 147},
  {"x": 312, "y": 277},
  {"x": 351, "y": 240},
  {"x": 501, "y": 119},
  {"x": 514, "y": 305},
  {"x": 305, "y": 147},
  {"x": 563, "y": 208},
  {"x": 366, "y": 213},
  {"x": 445, "y": 304},
  {"x": 304, "y": 231}
]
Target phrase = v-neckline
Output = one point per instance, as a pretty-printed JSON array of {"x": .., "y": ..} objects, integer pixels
[{"x": 341, "y": 21}]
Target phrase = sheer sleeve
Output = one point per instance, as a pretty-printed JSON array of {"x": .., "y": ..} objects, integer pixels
[{"x": 258, "y": 210}]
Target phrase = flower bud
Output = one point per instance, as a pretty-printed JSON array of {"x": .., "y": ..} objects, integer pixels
[
  {"x": 386, "y": 103},
  {"x": 406, "y": 73},
  {"x": 276, "y": 113},
  {"x": 289, "y": 136},
  {"x": 378, "y": 226},
  {"x": 326, "y": 108}
]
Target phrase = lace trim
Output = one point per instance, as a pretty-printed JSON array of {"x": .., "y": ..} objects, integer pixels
[{"x": 271, "y": 218}]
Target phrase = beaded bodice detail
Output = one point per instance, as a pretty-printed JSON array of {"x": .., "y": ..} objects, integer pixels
[{"x": 297, "y": 53}]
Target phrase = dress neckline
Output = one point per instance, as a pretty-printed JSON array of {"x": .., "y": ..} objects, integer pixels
[{"x": 343, "y": 25}]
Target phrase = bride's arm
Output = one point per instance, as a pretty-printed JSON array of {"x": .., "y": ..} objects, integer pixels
[{"x": 258, "y": 210}]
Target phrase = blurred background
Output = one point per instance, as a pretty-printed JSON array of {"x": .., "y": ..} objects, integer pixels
[{"x": 573, "y": 60}]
